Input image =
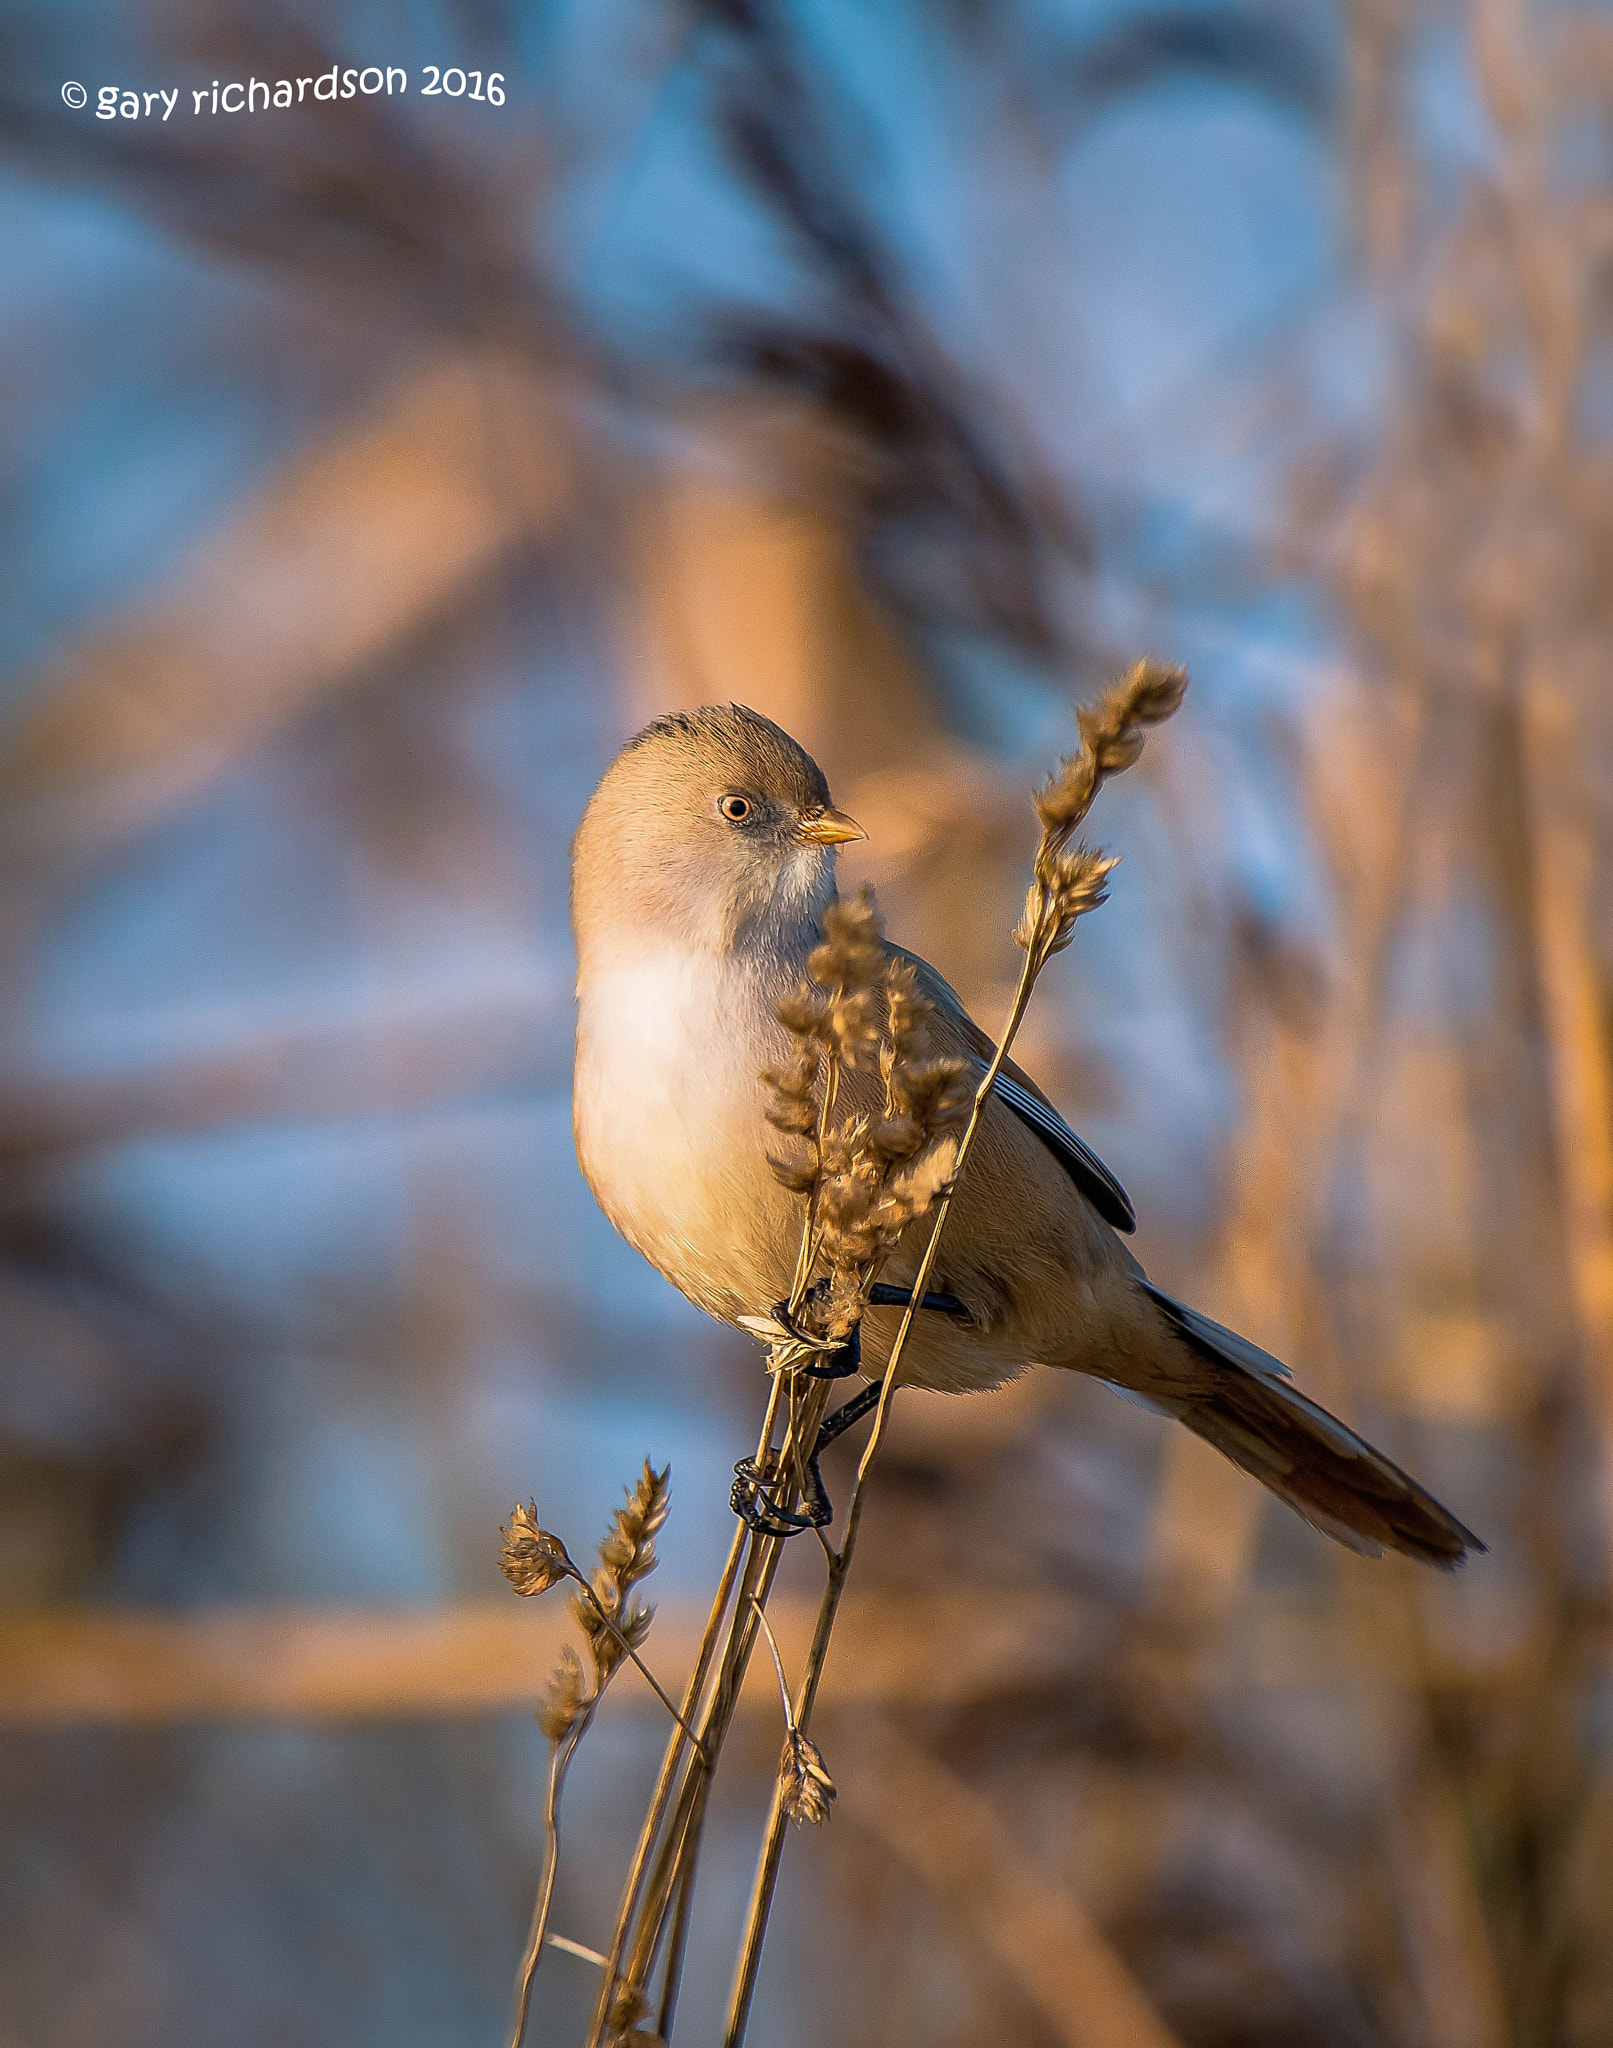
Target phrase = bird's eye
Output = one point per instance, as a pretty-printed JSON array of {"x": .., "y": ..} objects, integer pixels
[{"x": 736, "y": 809}]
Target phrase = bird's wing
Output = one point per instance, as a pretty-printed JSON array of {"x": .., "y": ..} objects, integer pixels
[{"x": 1017, "y": 1091}]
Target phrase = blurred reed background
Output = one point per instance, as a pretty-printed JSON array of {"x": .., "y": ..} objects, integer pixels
[{"x": 370, "y": 471}]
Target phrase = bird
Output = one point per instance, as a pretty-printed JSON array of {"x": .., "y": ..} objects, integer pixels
[{"x": 701, "y": 873}]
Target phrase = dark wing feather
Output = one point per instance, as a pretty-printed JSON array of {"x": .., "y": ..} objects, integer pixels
[
  {"x": 1077, "y": 1158},
  {"x": 1017, "y": 1091}
]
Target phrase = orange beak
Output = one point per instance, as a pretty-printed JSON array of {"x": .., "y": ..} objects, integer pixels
[{"x": 829, "y": 828}]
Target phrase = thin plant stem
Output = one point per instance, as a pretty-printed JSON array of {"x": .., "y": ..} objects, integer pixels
[
  {"x": 766, "y": 1880},
  {"x": 576, "y": 1948},
  {"x": 1034, "y": 963},
  {"x": 689, "y": 1852},
  {"x": 778, "y": 1666},
  {"x": 675, "y": 1744},
  {"x": 685, "y": 1868},
  {"x": 644, "y": 1669},
  {"x": 676, "y": 1943},
  {"x": 684, "y": 1838},
  {"x": 559, "y": 1762},
  {"x": 683, "y": 1832},
  {"x": 676, "y": 1747}
]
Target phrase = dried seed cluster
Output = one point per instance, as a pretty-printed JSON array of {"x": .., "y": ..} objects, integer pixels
[
  {"x": 562, "y": 1705},
  {"x": 628, "y": 2005},
  {"x": 806, "y": 1791},
  {"x": 609, "y": 1620},
  {"x": 1069, "y": 880},
  {"x": 868, "y": 1177},
  {"x": 533, "y": 1559}
]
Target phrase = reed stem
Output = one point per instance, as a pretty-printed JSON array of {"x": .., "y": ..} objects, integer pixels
[
  {"x": 559, "y": 1762},
  {"x": 641, "y": 1922},
  {"x": 683, "y": 1839},
  {"x": 674, "y": 1750},
  {"x": 766, "y": 1880}
]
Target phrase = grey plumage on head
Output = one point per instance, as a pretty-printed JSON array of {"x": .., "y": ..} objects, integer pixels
[
  {"x": 656, "y": 855},
  {"x": 753, "y": 745}
]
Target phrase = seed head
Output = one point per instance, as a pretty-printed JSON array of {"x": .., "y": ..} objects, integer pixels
[
  {"x": 804, "y": 1010},
  {"x": 794, "y": 1108},
  {"x": 850, "y": 965},
  {"x": 806, "y": 1790},
  {"x": 852, "y": 953},
  {"x": 868, "y": 1176},
  {"x": 1069, "y": 881},
  {"x": 610, "y": 1622},
  {"x": 1111, "y": 740},
  {"x": 532, "y": 1558},
  {"x": 565, "y": 1699},
  {"x": 628, "y": 2004},
  {"x": 932, "y": 1093}
]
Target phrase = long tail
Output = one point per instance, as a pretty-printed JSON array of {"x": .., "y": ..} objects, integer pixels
[{"x": 1248, "y": 1410}]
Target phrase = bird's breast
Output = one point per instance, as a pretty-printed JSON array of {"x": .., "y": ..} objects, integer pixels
[{"x": 667, "y": 1106}]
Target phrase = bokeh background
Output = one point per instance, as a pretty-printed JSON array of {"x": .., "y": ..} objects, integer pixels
[{"x": 372, "y": 469}]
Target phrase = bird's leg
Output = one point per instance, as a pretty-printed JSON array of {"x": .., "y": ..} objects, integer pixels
[
  {"x": 844, "y": 1416},
  {"x": 749, "y": 1496},
  {"x": 882, "y": 1296}
]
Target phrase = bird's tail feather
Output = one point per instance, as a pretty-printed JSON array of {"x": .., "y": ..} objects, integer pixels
[{"x": 1248, "y": 1410}]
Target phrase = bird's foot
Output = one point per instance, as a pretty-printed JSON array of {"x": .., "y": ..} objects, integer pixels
[
  {"x": 841, "y": 1363},
  {"x": 751, "y": 1499},
  {"x": 837, "y": 1364},
  {"x": 751, "y": 1494}
]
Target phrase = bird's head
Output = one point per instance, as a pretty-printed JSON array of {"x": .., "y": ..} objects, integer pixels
[{"x": 711, "y": 828}]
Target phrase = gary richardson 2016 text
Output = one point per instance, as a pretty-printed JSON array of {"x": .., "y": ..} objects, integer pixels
[{"x": 114, "y": 101}]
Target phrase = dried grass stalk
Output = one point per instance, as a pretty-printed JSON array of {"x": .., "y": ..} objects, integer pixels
[
  {"x": 614, "y": 1627},
  {"x": 866, "y": 1178},
  {"x": 1066, "y": 883}
]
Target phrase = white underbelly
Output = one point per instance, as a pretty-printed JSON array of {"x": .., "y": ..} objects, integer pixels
[{"x": 667, "y": 1110}]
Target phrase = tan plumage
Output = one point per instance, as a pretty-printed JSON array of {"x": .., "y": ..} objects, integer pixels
[{"x": 700, "y": 874}]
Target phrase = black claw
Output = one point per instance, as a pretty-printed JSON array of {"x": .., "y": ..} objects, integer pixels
[
  {"x": 836, "y": 1365},
  {"x": 748, "y": 1496},
  {"x": 841, "y": 1364},
  {"x": 749, "y": 1500}
]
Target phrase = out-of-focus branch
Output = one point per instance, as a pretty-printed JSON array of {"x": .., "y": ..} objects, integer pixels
[
  {"x": 1035, "y": 1928},
  {"x": 128, "y": 1666},
  {"x": 374, "y": 1061},
  {"x": 120, "y": 1665},
  {"x": 1581, "y": 1060},
  {"x": 359, "y": 543}
]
